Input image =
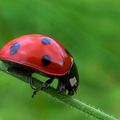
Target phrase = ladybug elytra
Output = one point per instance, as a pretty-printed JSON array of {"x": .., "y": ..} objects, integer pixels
[{"x": 41, "y": 54}]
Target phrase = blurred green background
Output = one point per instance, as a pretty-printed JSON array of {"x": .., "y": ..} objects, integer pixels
[{"x": 90, "y": 30}]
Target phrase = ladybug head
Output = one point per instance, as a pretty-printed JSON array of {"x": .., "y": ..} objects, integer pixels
[{"x": 72, "y": 80}]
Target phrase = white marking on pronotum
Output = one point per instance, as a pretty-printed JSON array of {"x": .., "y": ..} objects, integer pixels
[{"x": 73, "y": 81}]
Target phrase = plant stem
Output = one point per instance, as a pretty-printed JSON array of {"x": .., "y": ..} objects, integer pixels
[{"x": 63, "y": 98}]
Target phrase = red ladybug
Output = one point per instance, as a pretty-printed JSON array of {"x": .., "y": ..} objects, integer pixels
[{"x": 42, "y": 54}]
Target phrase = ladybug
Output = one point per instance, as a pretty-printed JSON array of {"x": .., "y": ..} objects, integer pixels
[{"x": 41, "y": 54}]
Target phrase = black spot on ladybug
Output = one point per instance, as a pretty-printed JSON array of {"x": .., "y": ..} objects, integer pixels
[
  {"x": 46, "y": 60},
  {"x": 14, "y": 48},
  {"x": 46, "y": 41}
]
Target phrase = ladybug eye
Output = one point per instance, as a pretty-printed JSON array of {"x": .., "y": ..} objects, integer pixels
[
  {"x": 46, "y": 60},
  {"x": 46, "y": 41},
  {"x": 14, "y": 48}
]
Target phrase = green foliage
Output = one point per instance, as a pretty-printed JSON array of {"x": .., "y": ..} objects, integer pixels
[{"x": 90, "y": 30}]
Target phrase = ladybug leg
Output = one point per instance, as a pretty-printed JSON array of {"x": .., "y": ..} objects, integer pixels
[
  {"x": 61, "y": 86},
  {"x": 31, "y": 83},
  {"x": 46, "y": 84}
]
